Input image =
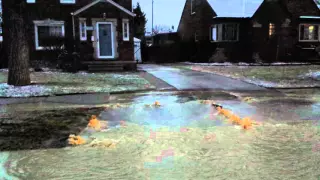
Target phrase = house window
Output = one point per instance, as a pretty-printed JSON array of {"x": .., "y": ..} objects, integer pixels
[
  {"x": 83, "y": 29},
  {"x": 196, "y": 37},
  {"x": 309, "y": 32},
  {"x": 225, "y": 32},
  {"x": 193, "y": 5},
  {"x": 125, "y": 29},
  {"x": 31, "y": 1},
  {"x": 214, "y": 33},
  {"x": 48, "y": 34},
  {"x": 67, "y": 1},
  {"x": 272, "y": 29}
]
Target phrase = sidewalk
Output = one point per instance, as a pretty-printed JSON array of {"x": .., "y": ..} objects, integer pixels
[{"x": 89, "y": 98}]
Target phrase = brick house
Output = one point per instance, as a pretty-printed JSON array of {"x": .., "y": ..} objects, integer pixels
[
  {"x": 273, "y": 29},
  {"x": 100, "y": 30}
]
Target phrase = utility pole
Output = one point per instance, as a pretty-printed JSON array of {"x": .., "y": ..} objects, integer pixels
[{"x": 152, "y": 19}]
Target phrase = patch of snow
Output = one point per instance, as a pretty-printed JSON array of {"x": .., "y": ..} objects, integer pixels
[
  {"x": 83, "y": 72},
  {"x": 263, "y": 83},
  {"x": 23, "y": 91},
  {"x": 4, "y": 70},
  {"x": 283, "y": 63},
  {"x": 244, "y": 64},
  {"x": 210, "y": 64},
  {"x": 313, "y": 75}
]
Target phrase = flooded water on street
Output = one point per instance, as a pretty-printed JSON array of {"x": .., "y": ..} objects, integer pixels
[{"x": 182, "y": 139}]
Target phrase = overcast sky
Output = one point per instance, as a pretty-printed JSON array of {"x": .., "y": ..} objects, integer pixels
[{"x": 166, "y": 12}]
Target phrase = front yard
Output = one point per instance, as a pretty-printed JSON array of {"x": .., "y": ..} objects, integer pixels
[
  {"x": 267, "y": 76},
  {"x": 57, "y": 83}
]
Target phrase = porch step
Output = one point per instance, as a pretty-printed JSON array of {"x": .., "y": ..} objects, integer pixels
[{"x": 105, "y": 67}]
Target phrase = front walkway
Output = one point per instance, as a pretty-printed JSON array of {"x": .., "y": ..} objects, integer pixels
[{"x": 193, "y": 80}]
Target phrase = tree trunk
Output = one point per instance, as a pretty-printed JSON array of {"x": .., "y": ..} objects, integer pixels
[{"x": 17, "y": 43}]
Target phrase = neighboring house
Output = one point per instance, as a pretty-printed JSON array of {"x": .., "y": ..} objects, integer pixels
[
  {"x": 165, "y": 38},
  {"x": 149, "y": 39},
  {"x": 271, "y": 28},
  {"x": 104, "y": 26}
]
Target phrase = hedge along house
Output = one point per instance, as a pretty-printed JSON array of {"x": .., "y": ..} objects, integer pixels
[
  {"x": 99, "y": 30},
  {"x": 245, "y": 29}
]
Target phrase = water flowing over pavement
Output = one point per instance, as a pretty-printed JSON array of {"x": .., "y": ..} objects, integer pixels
[
  {"x": 184, "y": 139},
  {"x": 187, "y": 79},
  {"x": 181, "y": 139}
]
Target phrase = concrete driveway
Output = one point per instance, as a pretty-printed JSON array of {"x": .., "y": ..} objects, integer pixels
[{"x": 193, "y": 80}]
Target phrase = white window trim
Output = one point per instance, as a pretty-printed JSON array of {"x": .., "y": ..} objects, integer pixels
[
  {"x": 83, "y": 38},
  {"x": 125, "y": 22},
  {"x": 238, "y": 32},
  {"x": 192, "y": 12},
  {"x": 31, "y": 1},
  {"x": 45, "y": 23},
  {"x": 309, "y": 40},
  {"x": 67, "y": 1},
  {"x": 112, "y": 41}
]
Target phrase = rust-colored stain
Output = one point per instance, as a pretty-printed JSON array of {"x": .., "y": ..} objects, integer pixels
[
  {"x": 94, "y": 123},
  {"x": 246, "y": 123},
  {"x": 76, "y": 140},
  {"x": 123, "y": 124},
  {"x": 157, "y": 103}
]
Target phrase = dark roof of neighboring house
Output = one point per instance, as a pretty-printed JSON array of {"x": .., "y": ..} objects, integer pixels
[{"x": 235, "y": 8}]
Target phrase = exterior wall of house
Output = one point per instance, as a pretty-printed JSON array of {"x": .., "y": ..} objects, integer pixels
[
  {"x": 240, "y": 50},
  {"x": 286, "y": 40},
  {"x": 264, "y": 44},
  {"x": 302, "y": 8},
  {"x": 165, "y": 38},
  {"x": 197, "y": 23},
  {"x": 54, "y": 10}
]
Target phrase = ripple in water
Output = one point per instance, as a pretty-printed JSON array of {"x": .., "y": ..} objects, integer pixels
[{"x": 267, "y": 152}]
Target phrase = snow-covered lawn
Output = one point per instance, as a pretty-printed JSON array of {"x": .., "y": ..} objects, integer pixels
[
  {"x": 58, "y": 83},
  {"x": 267, "y": 76},
  {"x": 244, "y": 64}
]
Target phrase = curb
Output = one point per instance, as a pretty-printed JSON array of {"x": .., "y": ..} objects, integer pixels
[{"x": 89, "y": 93}]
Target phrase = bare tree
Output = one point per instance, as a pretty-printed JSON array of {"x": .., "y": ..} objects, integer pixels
[
  {"x": 162, "y": 29},
  {"x": 16, "y": 41}
]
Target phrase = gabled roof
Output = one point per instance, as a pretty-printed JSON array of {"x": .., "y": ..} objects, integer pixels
[
  {"x": 317, "y": 2},
  {"x": 235, "y": 8},
  {"x": 104, "y": 1}
]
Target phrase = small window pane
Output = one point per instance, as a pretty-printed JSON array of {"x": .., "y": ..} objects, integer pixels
[
  {"x": 272, "y": 29},
  {"x": 49, "y": 35},
  {"x": 125, "y": 30},
  {"x": 309, "y": 32},
  {"x": 83, "y": 31},
  {"x": 214, "y": 33}
]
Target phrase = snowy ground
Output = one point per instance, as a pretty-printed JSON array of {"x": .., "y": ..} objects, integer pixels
[
  {"x": 267, "y": 76},
  {"x": 57, "y": 83},
  {"x": 245, "y": 64}
]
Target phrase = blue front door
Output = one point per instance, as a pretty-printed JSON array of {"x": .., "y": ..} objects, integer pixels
[{"x": 105, "y": 40}]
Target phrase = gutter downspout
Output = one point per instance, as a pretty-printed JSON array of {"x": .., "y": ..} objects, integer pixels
[{"x": 73, "y": 33}]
